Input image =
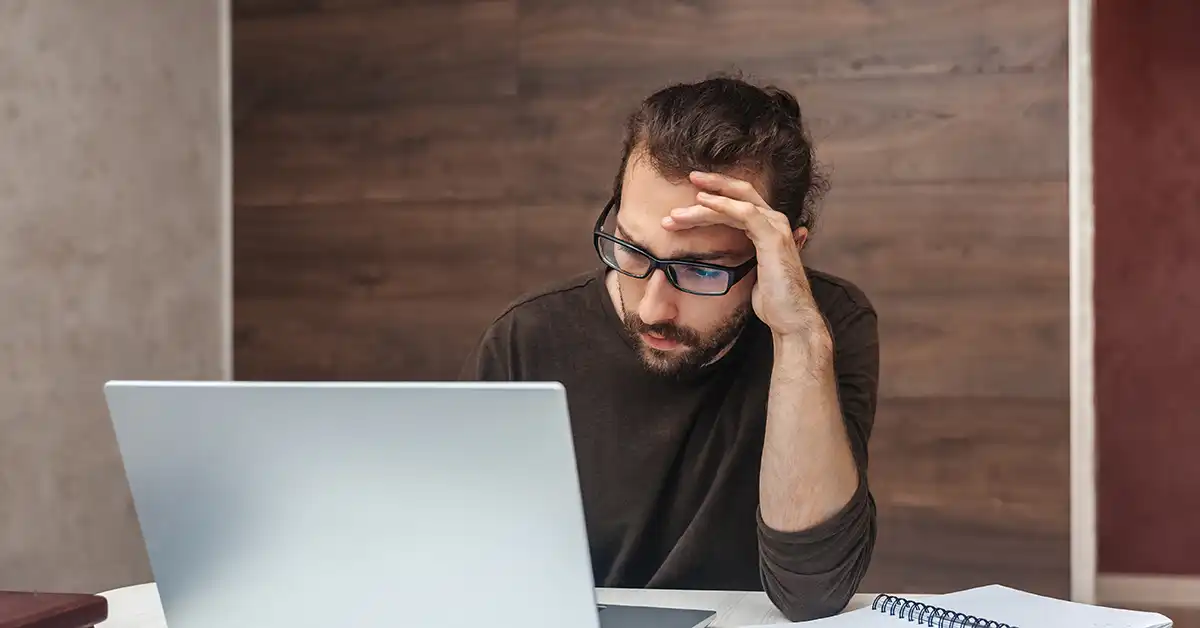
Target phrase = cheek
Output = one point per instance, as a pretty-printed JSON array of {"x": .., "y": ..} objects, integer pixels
[
  {"x": 705, "y": 314},
  {"x": 631, "y": 291}
]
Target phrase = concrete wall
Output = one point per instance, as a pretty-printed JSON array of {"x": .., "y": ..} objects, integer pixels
[{"x": 111, "y": 261}]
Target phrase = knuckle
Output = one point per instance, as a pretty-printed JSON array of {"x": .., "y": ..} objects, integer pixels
[{"x": 744, "y": 208}]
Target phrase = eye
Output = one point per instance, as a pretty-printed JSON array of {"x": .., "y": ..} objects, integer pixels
[{"x": 704, "y": 273}]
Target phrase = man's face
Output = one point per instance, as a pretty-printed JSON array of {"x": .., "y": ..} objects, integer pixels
[{"x": 675, "y": 331}]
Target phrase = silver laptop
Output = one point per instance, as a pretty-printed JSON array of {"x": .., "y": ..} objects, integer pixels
[{"x": 297, "y": 505}]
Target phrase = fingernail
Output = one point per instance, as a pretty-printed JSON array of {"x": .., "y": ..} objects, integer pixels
[{"x": 668, "y": 221}]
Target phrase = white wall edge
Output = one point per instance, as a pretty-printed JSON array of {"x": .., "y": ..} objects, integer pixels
[
  {"x": 1147, "y": 590},
  {"x": 1081, "y": 217},
  {"x": 226, "y": 185}
]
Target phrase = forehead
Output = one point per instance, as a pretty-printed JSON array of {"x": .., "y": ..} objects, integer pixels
[{"x": 647, "y": 197}]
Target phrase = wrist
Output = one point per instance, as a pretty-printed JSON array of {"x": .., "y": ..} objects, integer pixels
[{"x": 813, "y": 347}]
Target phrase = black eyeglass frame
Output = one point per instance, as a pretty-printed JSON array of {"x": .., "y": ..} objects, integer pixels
[{"x": 735, "y": 273}]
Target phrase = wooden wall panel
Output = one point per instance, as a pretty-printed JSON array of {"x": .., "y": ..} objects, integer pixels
[
  {"x": 817, "y": 38},
  {"x": 968, "y": 493},
  {"x": 359, "y": 339},
  {"x": 376, "y": 142},
  {"x": 375, "y": 250},
  {"x": 932, "y": 128},
  {"x": 367, "y": 59},
  {"x": 412, "y": 152}
]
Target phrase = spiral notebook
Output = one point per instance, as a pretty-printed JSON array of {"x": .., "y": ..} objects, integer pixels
[{"x": 993, "y": 606}]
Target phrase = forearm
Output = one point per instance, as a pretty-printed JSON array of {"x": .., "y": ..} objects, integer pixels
[{"x": 808, "y": 470}]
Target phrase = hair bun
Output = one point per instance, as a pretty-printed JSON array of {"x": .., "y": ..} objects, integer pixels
[{"x": 785, "y": 101}]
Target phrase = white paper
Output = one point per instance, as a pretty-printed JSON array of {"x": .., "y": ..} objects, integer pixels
[
  {"x": 1027, "y": 610},
  {"x": 1003, "y": 605}
]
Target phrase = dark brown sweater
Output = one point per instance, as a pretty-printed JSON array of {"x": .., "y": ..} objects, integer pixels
[{"x": 669, "y": 467}]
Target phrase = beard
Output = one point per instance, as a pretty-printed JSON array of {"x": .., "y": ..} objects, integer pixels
[{"x": 701, "y": 349}]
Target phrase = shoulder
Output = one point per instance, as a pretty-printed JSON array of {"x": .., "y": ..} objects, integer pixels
[
  {"x": 853, "y": 325},
  {"x": 548, "y": 303},
  {"x": 849, "y": 313},
  {"x": 514, "y": 343},
  {"x": 836, "y": 296}
]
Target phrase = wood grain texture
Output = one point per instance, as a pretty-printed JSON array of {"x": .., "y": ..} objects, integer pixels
[
  {"x": 359, "y": 339},
  {"x": 929, "y": 457},
  {"x": 586, "y": 41},
  {"x": 362, "y": 60},
  {"x": 954, "y": 239},
  {"x": 374, "y": 250},
  {"x": 389, "y": 154},
  {"x": 35, "y": 609},
  {"x": 923, "y": 550},
  {"x": 249, "y": 9},
  {"x": 980, "y": 345},
  {"x": 970, "y": 492},
  {"x": 934, "y": 128},
  {"x": 419, "y": 152}
]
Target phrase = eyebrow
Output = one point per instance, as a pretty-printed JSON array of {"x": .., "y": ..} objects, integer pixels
[{"x": 694, "y": 256}]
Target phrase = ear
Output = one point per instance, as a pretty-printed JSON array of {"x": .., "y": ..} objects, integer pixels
[{"x": 800, "y": 236}]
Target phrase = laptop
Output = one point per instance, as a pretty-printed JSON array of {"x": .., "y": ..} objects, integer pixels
[{"x": 298, "y": 505}]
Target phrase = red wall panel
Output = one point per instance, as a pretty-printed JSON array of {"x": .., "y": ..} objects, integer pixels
[{"x": 1147, "y": 284}]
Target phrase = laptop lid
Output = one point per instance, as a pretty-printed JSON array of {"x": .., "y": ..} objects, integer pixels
[{"x": 295, "y": 505}]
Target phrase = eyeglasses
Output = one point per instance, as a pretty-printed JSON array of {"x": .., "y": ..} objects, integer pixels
[{"x": 699, "y": 278}]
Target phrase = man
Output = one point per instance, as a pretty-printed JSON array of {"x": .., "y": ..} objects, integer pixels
[{"x": 721, "y": 394}]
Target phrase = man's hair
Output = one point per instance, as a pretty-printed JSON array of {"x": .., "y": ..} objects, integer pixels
[{"x": 725, "y": 124}]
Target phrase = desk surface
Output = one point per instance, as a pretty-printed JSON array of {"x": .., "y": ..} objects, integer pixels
[{"x": 138, "y": 606}]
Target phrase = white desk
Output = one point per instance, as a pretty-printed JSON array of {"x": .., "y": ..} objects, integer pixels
[{"x": 138, "y": 606}]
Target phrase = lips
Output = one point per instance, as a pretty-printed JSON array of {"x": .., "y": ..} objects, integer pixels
[{"x": 655, "y": 341}]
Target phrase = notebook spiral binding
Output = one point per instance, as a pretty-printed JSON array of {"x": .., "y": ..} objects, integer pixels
[{"x": 925, "y": 615}]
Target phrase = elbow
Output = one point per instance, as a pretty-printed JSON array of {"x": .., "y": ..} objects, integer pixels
[
  {"x": 814, "y": 602},
  {"x": 798, "y": 610},
  {"x": 805, "y": 594}
]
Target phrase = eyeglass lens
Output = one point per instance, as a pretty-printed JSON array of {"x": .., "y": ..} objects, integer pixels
[{"x": 689, "y": 277}]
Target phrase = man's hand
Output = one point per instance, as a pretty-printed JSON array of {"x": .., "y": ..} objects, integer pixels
[{"x": 782, "y": 297}]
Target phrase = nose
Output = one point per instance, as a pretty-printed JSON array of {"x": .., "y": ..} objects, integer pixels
[{"x": 658, "y": 303}]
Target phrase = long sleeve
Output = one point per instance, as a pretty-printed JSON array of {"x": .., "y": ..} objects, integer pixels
[{"x": 814, "y": 573}]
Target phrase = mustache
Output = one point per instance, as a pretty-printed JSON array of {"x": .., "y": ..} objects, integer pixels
[{"x": 668, "y": 331}]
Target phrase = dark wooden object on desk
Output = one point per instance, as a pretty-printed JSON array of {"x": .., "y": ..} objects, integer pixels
[{"x": 20, "y": 609}]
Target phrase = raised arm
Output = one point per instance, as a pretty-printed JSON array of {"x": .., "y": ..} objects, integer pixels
[{"x": 816, "y": 516}]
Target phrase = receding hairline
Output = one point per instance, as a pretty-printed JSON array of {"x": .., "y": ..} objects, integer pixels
[{"x": 760, "y": 177}]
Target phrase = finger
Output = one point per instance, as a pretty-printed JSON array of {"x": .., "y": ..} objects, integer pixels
[
  {"x": 740, "y": 212},
  {"x": 698, "y": 216},
  {"x": 724, "y": 185},
  {"x": 754, "y": 220}
]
